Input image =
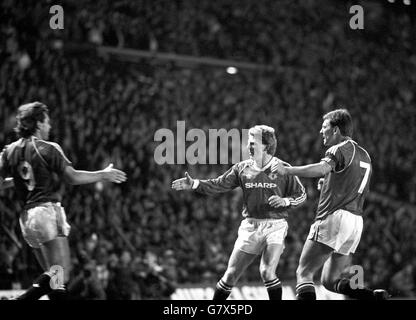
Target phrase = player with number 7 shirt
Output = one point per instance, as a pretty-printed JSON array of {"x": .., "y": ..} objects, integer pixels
[
  {"x": 336, "y": 231},
  {"x": 36, "y": 168}
]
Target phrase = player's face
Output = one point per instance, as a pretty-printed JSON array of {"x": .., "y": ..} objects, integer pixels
[
  {"x": 328, "y": 133},
  {"x": 255, "y": 147},
  {"x": 44, "y": 128}
]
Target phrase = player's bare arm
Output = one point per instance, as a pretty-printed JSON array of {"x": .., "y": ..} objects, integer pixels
[
  {"x": 183, "y": 183},
  {"x": 314, "y": 170},
  {"x": 110, "y": 174},
  {"x": 6, "y": 183}
]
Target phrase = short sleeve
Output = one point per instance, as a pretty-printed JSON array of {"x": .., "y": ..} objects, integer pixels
[
  {"x": 335, "y": 158},
  {"x": 57, "y": 159}
]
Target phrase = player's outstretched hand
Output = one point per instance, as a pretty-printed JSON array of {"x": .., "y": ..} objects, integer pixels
[
  {"x": 278, "y": 167},
  {"x": 114, "y": 175},
  {"x": 276, "y": 201},
  {"x": 183, "y": 183}
]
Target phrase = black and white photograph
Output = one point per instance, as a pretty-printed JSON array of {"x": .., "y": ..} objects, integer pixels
[{"x": 218, "y": 152}]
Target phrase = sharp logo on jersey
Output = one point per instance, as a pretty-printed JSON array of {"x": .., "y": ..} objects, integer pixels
[
  {"x": 273, "y": 175},
  {"x": 260, "y": 185}
]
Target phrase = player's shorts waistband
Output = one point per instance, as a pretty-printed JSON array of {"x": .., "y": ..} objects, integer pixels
[
  {"x": 42, "y": 204},
  {"x": 266, "y": 220},
  {"x": 326, "y": 215}
]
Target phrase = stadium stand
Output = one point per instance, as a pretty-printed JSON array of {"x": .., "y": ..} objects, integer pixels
[{"x": 141, "y": 240}]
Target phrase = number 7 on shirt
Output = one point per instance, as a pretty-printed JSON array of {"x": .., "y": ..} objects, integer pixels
[{"x": 367, "y": 168}]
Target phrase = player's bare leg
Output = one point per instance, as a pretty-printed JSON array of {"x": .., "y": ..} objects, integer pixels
[
  {"x": 41, "y": 258},
  {"x": 268, "y": 264},
  {"x": 333, "y": 269},
  {"x": 52, "y": 253},
  {"x": 237, "y": 264},
  {"x": 333, "y": 281},
  {"x": 58, "y": 256},
  {"x": 57, "y": 253},
  {"x": 313, "y": 256}
]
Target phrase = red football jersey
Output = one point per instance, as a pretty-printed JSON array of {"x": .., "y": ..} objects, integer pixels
[
  {"x": 36, "y": 167},
  {"x": 347, "y": 185},
  {"x": 258, "y": 185}
]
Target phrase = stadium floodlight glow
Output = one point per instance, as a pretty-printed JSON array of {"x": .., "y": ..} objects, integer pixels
[
  {"x": 391, "y": 1},
  {"x": 232, "y": 70},
  {"x": 407, "y": 2}
]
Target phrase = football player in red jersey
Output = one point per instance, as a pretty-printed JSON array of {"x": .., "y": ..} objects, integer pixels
[
  {"x": 267, "y": 199},
  {"x": 36, "y": 167},
  {"x": 336, "y": 231}
]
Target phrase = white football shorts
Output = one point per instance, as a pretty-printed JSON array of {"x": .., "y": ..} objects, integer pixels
[
  {"x": 43, "y": 223},
  {"x": 254, "y": 234},
  {"x": 341, "y": 231}
]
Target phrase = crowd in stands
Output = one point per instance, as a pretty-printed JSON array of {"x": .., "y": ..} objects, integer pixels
[{"x": 140, "y": 240}]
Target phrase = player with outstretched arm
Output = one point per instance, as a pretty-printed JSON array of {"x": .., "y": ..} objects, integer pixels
[
  {"x": 36, "y": 168},
  {"x": 267, "y": 199},
  {"x": 336, "y": 231}
]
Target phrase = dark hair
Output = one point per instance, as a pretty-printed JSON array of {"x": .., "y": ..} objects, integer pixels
[
  {"x": 28, "y": 116},
  {"x": 340, "y": 118},
  {"x": 268, "y": 137}
]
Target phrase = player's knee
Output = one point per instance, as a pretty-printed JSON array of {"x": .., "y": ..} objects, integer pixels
[
  {"x": 267, "y": 273},
  {"x": 328, "y": 282},
  {"x": 230, "y": 276},
  {"x": 302, "y": 273}
]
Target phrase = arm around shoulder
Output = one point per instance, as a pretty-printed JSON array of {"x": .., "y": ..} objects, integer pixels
[{"x": 314, "y": 170}]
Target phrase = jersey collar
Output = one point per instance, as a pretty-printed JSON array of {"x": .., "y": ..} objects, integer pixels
[{"x": 266, "y": 166}]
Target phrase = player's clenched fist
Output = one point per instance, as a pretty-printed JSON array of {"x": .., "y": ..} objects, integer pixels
[
  {"x": 183, "y": 183},
  {"x": 276, "y": 202}
]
